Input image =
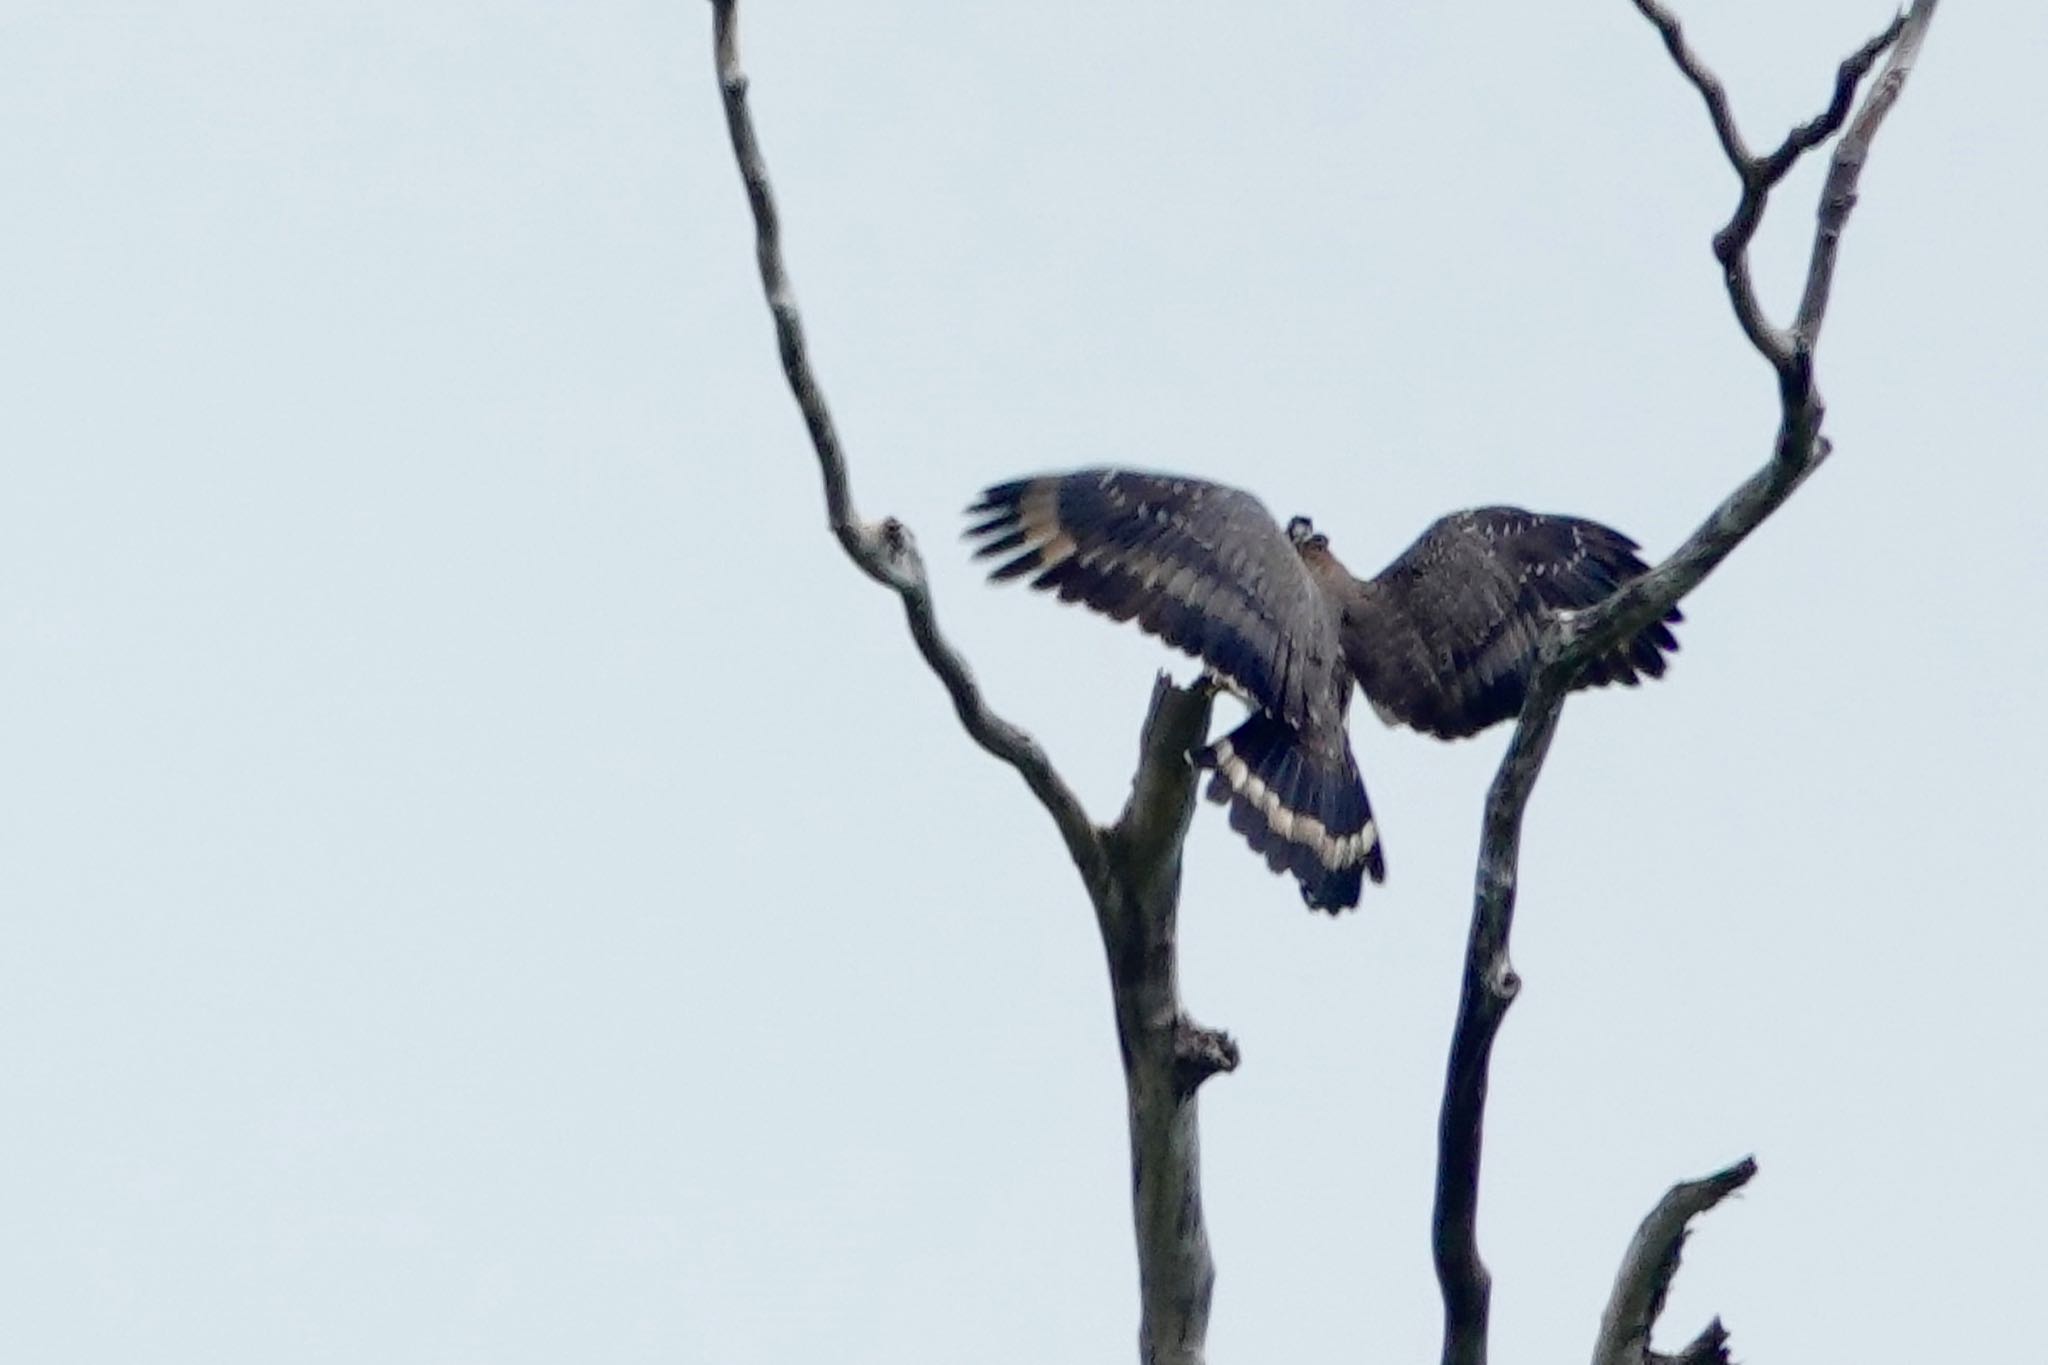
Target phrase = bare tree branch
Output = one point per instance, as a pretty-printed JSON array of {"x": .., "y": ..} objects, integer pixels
[
  {"x": 1569, "y": 641},
  {"x": 1824, "y": 125},
  {"x": 884, "y": 551},
  {"x": 1131, "y": 870},
  {"x": 1760, "y": 174},
  {"x": 1166, "y": 1054},
  {"x": 1706, "y": 82},
  {"x": 1838, "y": 195},
  {"x": 1490, "y": 986},
  {"x": 1649, "y": 1267}
]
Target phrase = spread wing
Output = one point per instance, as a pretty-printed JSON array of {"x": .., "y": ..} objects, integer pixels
[
  {"x": 1444, "y": 639},
  {"x": 1199, "y": 565}
]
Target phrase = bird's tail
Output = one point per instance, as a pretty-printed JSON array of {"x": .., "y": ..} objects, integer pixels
[{"x": 1305, "y": 811}]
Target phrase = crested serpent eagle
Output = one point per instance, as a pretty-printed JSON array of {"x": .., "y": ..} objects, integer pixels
[{"x": 1443, "y": 640}]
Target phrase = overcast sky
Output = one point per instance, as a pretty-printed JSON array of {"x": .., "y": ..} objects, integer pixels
[{"x": 483, "y": 880}]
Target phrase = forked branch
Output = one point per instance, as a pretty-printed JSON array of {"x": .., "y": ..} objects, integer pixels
[
  {"x": 1131, "y": 870},
  {"x": 1569, "y": 642}
]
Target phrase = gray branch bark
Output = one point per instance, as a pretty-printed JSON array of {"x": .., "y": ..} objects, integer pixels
[
  {"x": 1131, "y": 869},
  {"x": 1648, "y": 1269},
  {"x": 1570, "y": 640}
]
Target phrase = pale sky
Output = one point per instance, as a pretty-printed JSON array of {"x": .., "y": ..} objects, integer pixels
[{"x": 483, "y": 880}]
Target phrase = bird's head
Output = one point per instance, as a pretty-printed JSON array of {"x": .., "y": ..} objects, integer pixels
[{"x": 1302, "y": 532}]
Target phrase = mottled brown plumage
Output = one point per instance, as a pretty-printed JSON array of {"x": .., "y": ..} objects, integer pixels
[{"x": 1442, "y": 640}]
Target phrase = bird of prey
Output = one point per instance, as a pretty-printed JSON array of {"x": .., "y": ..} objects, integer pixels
[{"x": 1443, "y": 640}]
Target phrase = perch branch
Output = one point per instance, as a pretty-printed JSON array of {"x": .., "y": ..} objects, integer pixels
[
  {"x": 1131, "y": 870},
  {"x": 1166, "y": 1054},
  {"x": 1569, "y": 641},
  {"x": 1649, "y": 1266}
]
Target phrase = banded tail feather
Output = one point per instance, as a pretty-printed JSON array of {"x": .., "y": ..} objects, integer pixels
[{"x": 1305, "y": 810}]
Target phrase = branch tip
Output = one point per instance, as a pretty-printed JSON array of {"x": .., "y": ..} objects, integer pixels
[
  {"x": 1650, "y": 1265},
  {"x": 1848, "y": 76},
  {"x": 1710, "y": 1347},
  {"x": 1703, "y": 80}
]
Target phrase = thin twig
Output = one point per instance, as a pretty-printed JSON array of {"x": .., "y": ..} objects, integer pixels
[
  {"x": 1759, "y": 175},
  {"x": 1651, "y": 1263},
  {"x": 1838, "y": 195},
  {"x": 1131, "y": 870},
  {"x": 1705, "y": 81},
  {"x": 1828, "y": 121},
  {"x": 1570, "y": 641},
  {"x": 884, "y": 551}
]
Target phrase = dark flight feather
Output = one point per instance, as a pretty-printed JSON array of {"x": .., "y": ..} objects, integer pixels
[{"x": 1442, "y": 640}]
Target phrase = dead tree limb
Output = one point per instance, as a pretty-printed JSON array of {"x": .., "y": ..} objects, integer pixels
[
  {"x": 1648, "y": 1269},
  {"x": 1569, "y": 641},
  {"x": 1131, "y": 869}
]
